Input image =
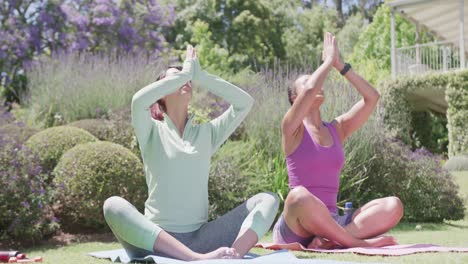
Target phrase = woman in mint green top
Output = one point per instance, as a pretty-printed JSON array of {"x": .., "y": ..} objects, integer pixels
[{"x": 176, "y": 155}]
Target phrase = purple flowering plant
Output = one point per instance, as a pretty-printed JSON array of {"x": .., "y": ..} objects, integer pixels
[{"x": 25, "y": 212}]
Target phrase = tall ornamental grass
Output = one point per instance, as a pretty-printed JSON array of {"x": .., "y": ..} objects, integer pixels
[{"x": 71, "y": 86}]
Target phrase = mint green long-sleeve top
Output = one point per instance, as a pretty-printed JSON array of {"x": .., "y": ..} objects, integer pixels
[{"x": 177, "y": 166}]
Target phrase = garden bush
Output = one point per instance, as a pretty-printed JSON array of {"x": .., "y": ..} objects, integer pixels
[
  {"x": 457, "y": 163},
  {"x": 228, "y": 184},
  {"x": 89, "y": 174},
  {"x": 116, "y": 131},
  {"x": 427, "y": 191},
  {"x": 25, "y": 212},
  {"x": 97, "y": 127},
  {"x": 403, "y": 123},
  {"x": 50, "y": 144}
]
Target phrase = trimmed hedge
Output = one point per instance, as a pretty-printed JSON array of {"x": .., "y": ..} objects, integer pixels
[
  {"x": 117, "y": 131},
  {"x": 97, "y": 127},
  {"x": 50, "y": 144},
  {"x": 90, "y": 173},
  {"x": 457, "y": 114},
  {"x": 413, "y": 127}
]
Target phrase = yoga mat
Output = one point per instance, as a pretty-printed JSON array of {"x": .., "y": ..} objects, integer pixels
[
  {"x": 278, "y": 257},
  {"x": 396, "y": 250}
]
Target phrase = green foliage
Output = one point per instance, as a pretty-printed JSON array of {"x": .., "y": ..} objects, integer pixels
[
  {"x": 457, "y": 113},
  {"x": 215, "y": 58},
  {"x": 371, "y": 54},
  {"x": 97, "y": 127},
  {"x": 89, "y": 174},
  {"x": 428, "y": 192},
  {"x": 50, "y": 144},
  {"x": 426, "y": 128},
  {"x": 229, "y": 181},
  {"x": 303, "y": 38},
  {"x": 348, "y": 36},
  {"x": 116, "y": 131},
  {"x": 250, "y": 31},
  {"x": 457, "y": 163}
]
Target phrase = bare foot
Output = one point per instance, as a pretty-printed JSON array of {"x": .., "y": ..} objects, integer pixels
[
  {"x": 221, "y": 253},
  {"x": 381, "y": 241},
  {"x": 322, "y": 243}
]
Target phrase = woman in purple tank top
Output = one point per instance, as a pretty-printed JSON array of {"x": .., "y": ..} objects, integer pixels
[{"x": 315, "y": 157}]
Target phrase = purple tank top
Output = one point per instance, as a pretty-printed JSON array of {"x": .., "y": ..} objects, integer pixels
[{"x": 317, "y": 168}]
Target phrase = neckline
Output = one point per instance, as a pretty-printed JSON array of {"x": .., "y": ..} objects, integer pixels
[
  {"x": 315, "y": 141},
  {"x": 174, "y": 127}
]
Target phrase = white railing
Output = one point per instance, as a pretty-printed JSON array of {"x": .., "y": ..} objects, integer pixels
[{"x": 424, "y": 58}]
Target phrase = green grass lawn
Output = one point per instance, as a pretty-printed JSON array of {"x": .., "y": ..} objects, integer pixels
[{"x": 452, "y": 233}]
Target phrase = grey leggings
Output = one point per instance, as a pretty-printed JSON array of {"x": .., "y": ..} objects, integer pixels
[{"x": 257, "y": 213}]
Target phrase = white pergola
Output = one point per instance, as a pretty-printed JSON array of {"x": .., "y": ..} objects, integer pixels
[{"x": 444, "y": 18}]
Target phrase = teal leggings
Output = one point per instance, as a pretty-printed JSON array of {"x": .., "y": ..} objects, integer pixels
[{"x": 137, "y": 234}]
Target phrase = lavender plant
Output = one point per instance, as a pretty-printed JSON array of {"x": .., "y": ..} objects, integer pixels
[
  {"x": 26, "y": 215},
  {"x": 70, "y": 86},
  {"x": 31, "y": 28}
]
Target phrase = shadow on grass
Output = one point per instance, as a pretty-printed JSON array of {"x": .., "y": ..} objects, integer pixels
[{"x": 66, "y": 239}]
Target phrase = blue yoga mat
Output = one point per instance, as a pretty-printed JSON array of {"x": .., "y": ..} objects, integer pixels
[{"x": 277, "y": 257}]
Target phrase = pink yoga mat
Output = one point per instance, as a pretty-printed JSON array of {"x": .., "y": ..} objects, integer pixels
[{"x": 397, "y": 250}]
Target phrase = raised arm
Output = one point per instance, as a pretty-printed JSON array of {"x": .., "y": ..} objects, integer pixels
[
  {"x": 241, "y": 103},
  {"x": 144, "y": 98},
  {"x": 352, "y": 120},
  {"x": 309, "y": 87}
]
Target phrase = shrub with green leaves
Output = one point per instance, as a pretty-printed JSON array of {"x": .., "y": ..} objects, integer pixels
[
  {"x": 116, "y": 131},
  {"x": 428, "y": 192},
  {"x": 97, "y": 127},
  {"x": 419, "y": 128},
  {"x": 228, "y": 184},
  {"x": 457, "y": 113},
  {"x": 90, "y": 173},
  {"x": 50, "y": 144}
]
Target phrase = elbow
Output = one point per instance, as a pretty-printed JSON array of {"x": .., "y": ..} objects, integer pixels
[
  {"x": 286, "y": 128},
  {"x": 373, "y": 97},
  {"x": 376, "y": 96}
]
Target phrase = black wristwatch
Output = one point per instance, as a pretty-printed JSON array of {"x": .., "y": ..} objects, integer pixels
[{"x": 345, "y": 69}]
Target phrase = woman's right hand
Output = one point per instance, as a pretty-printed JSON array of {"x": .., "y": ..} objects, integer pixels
[
  {"x": 222, "y": 253},
  {"x": 190, "y": 60},
  {"x": 330, "y": 50},
  {"x": 191, "y": 53}
]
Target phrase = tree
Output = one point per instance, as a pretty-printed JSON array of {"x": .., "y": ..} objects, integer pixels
[
  {"x": 249, "y": 30},
  {"x": 33, "y": 27},
  {"x": 371, "y": 55},
  {"x": 304, "y": 36}
]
